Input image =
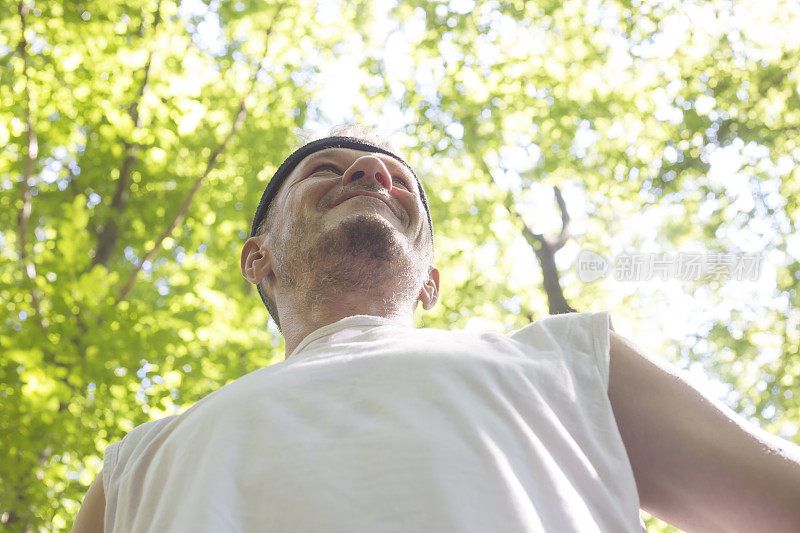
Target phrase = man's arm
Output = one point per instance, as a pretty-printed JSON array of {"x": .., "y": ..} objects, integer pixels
[
  {"x": 92, "y": 512},
  {"x": 698, "y": 465}
]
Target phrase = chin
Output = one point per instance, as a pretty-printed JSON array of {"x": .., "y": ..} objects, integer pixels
[{"x": 365, "y": 234}]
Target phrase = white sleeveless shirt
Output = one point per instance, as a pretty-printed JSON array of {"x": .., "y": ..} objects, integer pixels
[{"x": 373, "y": 425}]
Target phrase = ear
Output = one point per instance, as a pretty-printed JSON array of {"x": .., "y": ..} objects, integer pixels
[
  {"x": 256, "y": 263},
  {"x": 429, "y": 294}
]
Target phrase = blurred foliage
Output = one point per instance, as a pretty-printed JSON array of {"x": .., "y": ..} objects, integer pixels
[{"x": 137, "y": 142}]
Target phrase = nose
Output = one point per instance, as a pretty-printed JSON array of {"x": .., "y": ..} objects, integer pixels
[{"x": 369, "y": 167}]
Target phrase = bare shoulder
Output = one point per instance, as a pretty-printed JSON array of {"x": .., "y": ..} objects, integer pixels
[
  {"x": 92, "y": 513},
  {"x": 697, "y": 464}
]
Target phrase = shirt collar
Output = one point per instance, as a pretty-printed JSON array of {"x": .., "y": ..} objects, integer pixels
[{"x": 356, "y": 321}]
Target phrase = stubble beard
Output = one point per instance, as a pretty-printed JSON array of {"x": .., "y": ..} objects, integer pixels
[{"x": 363, "y": 253}]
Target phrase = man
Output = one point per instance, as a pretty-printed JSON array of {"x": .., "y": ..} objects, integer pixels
[{"x": 372, "y": 425}]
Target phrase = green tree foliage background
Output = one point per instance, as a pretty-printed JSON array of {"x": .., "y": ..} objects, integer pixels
[{"x": 137, "y": 138}]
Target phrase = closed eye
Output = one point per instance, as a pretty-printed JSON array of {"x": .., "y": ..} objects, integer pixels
[
  {"x": 325, "y": 168},
  {"x": 397, "y": 180}
]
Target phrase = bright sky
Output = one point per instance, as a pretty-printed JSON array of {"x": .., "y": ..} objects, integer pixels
[{"x": 666, "y": 306}]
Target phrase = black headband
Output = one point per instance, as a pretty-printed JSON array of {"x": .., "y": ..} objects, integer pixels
[{"x": 329, "y": 142}]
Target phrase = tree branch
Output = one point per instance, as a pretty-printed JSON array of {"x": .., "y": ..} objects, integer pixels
[
  {"x": 107, "y": 238},
  {"x": 562, "y": 237},
  {"x": 241, "y": 114},
  {"x": 546, "y": 254},
  {"x": 31, "y": 154},
  {"x": 181, "y": 214},
  {"x": 544, "y": 247}
]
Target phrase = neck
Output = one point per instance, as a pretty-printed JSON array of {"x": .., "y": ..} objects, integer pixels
[{"x": 302, "y": 316}]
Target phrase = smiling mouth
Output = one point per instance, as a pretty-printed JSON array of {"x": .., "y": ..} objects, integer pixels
[
  {"x": 371, "y": 200},
  {"x": 374, "y": 197},
  {"x": 366, "y": 196}
]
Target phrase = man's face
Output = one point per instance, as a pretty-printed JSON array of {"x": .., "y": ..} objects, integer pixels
[{"x": 350, "y": 219}]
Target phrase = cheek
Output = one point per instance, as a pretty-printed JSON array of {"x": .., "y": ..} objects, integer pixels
[
  {"x": 302, "y": 205},
  {"x": 415, "y": 211}
]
